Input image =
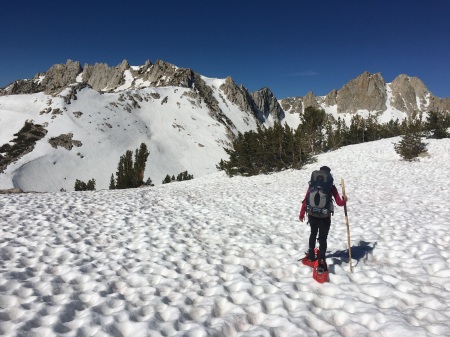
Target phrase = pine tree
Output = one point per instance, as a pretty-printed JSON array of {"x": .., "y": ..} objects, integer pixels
[
  {"x": 130, "y": 174},
  {"x": 411, "y": 146},
  {"x": 90, "y": 186},
  {"x": 139, "y": 165},
  {"x": 112, "y": 184},
  {"x": 390, "y": 129},
  {"x": 356, "y": 134},
  {"x": 167, "y": 180},
  {"x": 82, "y": 186},
  {"x": 372, "y": 128},
  {"x": 312, "y": 123}
]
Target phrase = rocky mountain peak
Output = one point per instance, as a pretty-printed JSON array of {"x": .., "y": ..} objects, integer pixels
[
  {"x": 310, "y": 100},
  {"x": 366, "y": 92},
  {"x": 409, "y": 94},
  {"x": 267, "y": 104},
  {"x": 237, "y": 95},
  {"x": 101, "y": 77},
  {"x": 60, "y": 75},
  {"x": 331, "y": 98}
]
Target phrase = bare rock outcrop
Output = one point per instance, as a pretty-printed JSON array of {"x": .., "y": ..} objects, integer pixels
[
  {"x": 366, "y": 92},
  {"x": 267, "y": 104},
  {"x": 60, "y": 76},
  {"x": 238, "y": 95},
  {"x": 206, "y": 94},
  {"x": 23, "y": 143},
  {"x": 261, "y": 103},
  {"x": 162, "y": 74},
  {"x": 409, "y": 94},
  {"x": 310, "y": 100},
  {"x": 439, "y": 104},
  {"x": 292, "y": 104},
  {"x": 20, "y": 87},
  {"x": 101, "y": 77},
  {"x": 65, "y": 141},
  {"x": 11, "y": 191},
  {"x": 331, "y": 98}
]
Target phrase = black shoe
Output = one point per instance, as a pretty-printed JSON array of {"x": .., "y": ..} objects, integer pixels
[
  {"x": 311, "y": 255},
  {"x": 322, "y": 267}
]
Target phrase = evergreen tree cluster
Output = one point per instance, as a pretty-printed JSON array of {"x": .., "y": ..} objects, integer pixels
[
  {"x": 437, "y": 124},
  {"x": 82, "y": 186},
  {"x": 180, "y": 177},
  {"x": 130, "y": 173},
  {"x": 280, "y": 147},
  {"x": 268, "y": 150}
]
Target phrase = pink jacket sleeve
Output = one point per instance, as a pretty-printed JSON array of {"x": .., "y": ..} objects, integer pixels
[
  {"x": 303, "y": 208},
  {"x": 337, "y": 197}
]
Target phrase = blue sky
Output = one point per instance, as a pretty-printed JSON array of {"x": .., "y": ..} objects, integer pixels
[{"x": 292, "y": 47}]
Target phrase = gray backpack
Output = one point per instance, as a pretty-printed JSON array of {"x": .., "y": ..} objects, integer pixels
[{"x": 319, "y": 201}]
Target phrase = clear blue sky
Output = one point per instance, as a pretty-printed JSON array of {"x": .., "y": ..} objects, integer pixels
[{"x": 292, "y": 47}]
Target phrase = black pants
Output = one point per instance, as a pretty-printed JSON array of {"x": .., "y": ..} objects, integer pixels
[{"x": 321, "y": 226}]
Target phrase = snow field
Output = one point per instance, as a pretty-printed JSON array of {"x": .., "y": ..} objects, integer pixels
[{"x": 216, "y": 256}]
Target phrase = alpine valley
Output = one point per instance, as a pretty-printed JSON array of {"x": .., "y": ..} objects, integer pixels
[{"x": 78, "y": 121}]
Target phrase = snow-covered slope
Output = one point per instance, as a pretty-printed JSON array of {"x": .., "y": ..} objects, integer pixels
[
  {"x": 174, "y": 122},
  {"x": 217, "y": 256}
]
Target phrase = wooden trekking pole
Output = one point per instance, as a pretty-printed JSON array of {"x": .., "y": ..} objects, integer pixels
[{"x": 348, "y": 227}]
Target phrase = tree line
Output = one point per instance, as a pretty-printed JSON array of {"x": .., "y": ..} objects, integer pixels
[{"x": 282, "y": 147}]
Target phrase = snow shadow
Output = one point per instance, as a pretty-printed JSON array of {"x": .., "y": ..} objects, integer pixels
[{"x": 360, "y": 252}]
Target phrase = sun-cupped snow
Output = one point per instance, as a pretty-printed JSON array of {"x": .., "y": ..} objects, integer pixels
[{"x": 218, "y": 256}]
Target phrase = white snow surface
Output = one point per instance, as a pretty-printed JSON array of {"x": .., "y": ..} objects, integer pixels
[
  {"x": 175, "y": 125},
  {"x": 218, "y": 256}
]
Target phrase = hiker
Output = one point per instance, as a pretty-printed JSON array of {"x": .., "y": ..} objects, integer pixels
[{"x": 318, "y": 204}]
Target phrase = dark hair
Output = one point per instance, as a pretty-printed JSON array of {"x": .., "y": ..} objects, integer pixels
[{"x": 325, "y": 168}]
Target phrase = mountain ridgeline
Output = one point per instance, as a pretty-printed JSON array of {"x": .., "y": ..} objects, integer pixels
[{"x": 89, "y": 116}]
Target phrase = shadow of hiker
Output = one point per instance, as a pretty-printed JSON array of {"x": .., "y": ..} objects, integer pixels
[{"x": 360, "y": 252}]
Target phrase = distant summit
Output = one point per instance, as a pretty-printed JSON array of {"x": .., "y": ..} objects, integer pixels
[{"x": 369, "y": 92}]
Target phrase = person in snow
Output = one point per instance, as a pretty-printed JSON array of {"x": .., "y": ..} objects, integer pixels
[{"x": 320, "y": 224}]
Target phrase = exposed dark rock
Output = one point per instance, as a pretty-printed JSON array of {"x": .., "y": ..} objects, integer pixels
[
  {"x": 65, "y": 141},
  {"x": 22, "y": 87},
  {"x": 162, "y": 74},
  {"x": 24, "y": 143},
  {"x": 261, "y": 103},
  {"x": 238, "y": 95},
  {"x": 11, "y": 191},
  {"x": 267, "y": 104},
  {"x": 206, "y": 94},
  {"x": 292, "y": 104}
]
